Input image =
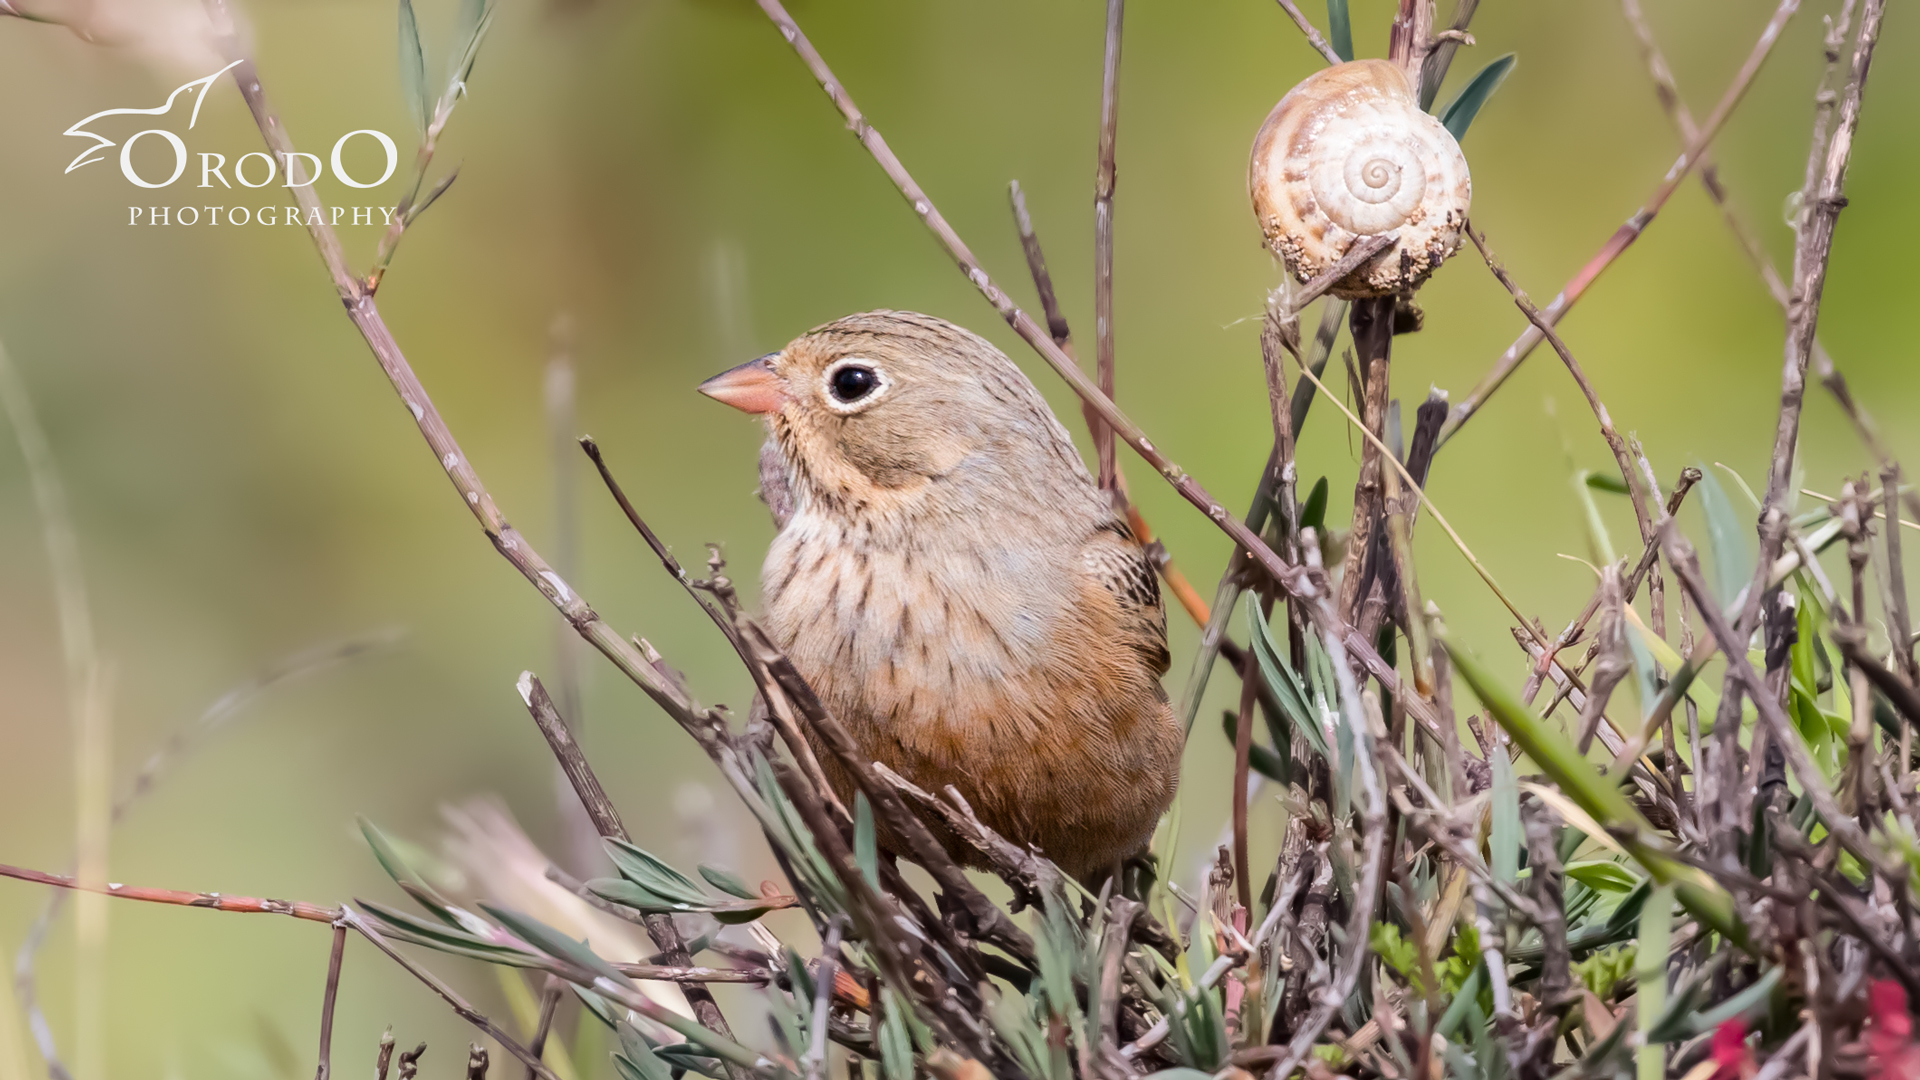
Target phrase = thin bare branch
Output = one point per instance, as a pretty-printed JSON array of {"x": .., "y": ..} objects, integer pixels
[
  {"x": 334, "y": 959},
  {"x": 1306, "y": 27},
  {"x": 1103, "y": 185}
]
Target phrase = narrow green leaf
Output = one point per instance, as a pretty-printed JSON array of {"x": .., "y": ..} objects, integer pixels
[
  {"x": 598, "y": 1006},
  {"x": 655, "y": 875},
  {"x": 1726, "y": 539},
  {"x": 1599, "y": 541},
  {"x": 635, "y": 1060},
  {"x": 1286, "y": 685},
  {"x": 417, "y": 931},
  {"x": 1645, "y": 683},
  {"x": 1503, "y": 838},
  {"x": 627, "y": 894},
  {"x": 1650, "y": 975},
  {"x": 1340, "y": 28},
  {"x": 728, "y": 882},
  {"x": 386, "y": 850},
  {"x": 1459, "y": 113},
  {"x": 687, "y": 1056},
  {"x": 896, "y": 1046},
  {"x": 467, "y": 27},
  {"x": 1314, "y": 514},
  {"x": 476, "y": 18},
  {"x": 413, "y": 67},
  {"x": 1627, "y": 913},
  {"x": 1603, "y": 875},
  {"x": 1457, "y": 1008},
  {"x": 1753, "y": 501},
  {"x": 1607, "y": 482},
  {"x": 552, "y": 942},
  {"x": 866, "y": 846}
]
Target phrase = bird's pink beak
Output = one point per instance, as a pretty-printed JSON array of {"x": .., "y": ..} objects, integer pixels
[{"x": 752, "y": 387}]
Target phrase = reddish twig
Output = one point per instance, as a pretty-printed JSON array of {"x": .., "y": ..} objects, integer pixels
[{"x": 246, "y": 905}]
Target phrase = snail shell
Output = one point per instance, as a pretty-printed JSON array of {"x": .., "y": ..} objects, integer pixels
[{"x": 1349, "y": 153}]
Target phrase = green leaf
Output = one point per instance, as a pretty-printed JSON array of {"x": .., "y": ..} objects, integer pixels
[
  {"x": 653, "y": 874},
  {"x": 627, "y": 894},
  {"x": 387, "y": 850},
  {"x": 1626, "y": 914},
  {"x": 1647, "y": 686},
  {"x": 1314, "y": 514},
  {"x": 476, "y": 18},
  {"x": 467, "y": 28},
  {"x": 1459, "y": 113},
  {"x": 1286, "y": 685},
  {"x": 727, "y": 882},
  {"x": 1726, "y": 539},
  {"x": 446, "y": 939},
  {"x": 687, "y": 1056},
  {"x": 413, "y": 67},
  {"x": 1603, "y": 875},
  {"x": 1603, "y": 970},
  {"x": 1396, "y": 952},
  {"x": 1749, "y": 1005},
  {"x": 1340, "y": 29},
  {"x": 598, "y": 1006},
  {"x": 785, "y": 828},
  {"x": 1503, "y": 838},
  {"x": 1599, "y": 541},
  {"x": 1604, "y": 482},
  {"x": 1463, "y": 1000},
  {"x": 635, "y": 1060},
  {"x": 1650, "y": 979},
  {"x": 552, "y": 942},
  {"x": 866, "y": 846},
  {"x": 1745, "y": 489},
  {"x": 896, "y": 1046}
]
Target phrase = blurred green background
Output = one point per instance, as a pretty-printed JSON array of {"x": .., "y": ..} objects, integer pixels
[{"x": 664, "y": 176}]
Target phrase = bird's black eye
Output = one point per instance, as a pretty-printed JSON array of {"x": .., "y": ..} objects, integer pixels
[{"x": 853, "y": 382}]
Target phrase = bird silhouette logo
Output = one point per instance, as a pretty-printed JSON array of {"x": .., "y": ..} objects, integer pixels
[{"x": 101, "y": 142}]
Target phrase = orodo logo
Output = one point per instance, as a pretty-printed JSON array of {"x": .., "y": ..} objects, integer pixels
[{"x": 294, "y": 169}]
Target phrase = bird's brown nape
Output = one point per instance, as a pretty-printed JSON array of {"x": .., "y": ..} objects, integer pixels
[{"x": 958, "y": 591}]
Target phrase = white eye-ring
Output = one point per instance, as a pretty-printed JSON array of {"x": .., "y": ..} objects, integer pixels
[{"x": 854, "y": 383}]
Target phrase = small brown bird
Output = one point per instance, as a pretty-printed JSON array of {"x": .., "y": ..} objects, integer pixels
[{"x": 955, "y": 587}]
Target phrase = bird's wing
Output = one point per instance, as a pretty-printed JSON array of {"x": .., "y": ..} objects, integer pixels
[{"x": 1120, "y": 566}]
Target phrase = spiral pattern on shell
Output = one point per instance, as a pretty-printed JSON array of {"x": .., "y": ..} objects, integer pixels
[{"x": 1349, "y": 153}]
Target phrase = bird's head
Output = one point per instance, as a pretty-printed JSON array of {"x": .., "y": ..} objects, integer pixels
[{"x": 872, "y": 409}]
